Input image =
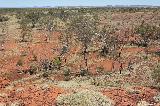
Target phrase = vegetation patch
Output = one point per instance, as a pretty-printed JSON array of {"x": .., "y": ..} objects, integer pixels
[{"x": 84, "y": 98}]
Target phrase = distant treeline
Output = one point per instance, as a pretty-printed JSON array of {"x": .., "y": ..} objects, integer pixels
[{"x": 82, "y": 9}]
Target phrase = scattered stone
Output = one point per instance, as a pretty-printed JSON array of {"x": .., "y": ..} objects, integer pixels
[{"x": 143, "y": 103}]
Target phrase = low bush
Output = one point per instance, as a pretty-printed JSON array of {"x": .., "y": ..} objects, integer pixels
[
  {"x": 84, "y": 98},
  {"x": 3, "y": 18},
  {"x": 157, "y": 53},
  {"x": 100, "y": 70},
  {"x": 45, "y": 74},
  {"x": 57, "y": 63},
  {"x": 66, "y": 73},
  {"x": 104, "y": 51},
  {"x": 148, "y": 33},
  {"x": 49, "y": 66},
  {"x": 84, "y": 72},
  {"x": 33, "y": 69},
  {"x": 156, "y": 75}
]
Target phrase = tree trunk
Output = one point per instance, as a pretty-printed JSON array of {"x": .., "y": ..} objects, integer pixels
[
  {"x": 121, "y": 68},
  {"x": 85, "y": 56}
]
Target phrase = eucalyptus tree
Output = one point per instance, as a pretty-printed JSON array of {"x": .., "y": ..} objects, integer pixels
[
  {"x": 108, "y": 40},
  {"x": 148, "y": 33},
  {"x": 33, "y": 17},
  {"x": 84, "y": 26},
  {"x": 26, "y": 30},
  {"x": 28, "y": 20},
  {"x": 46, "y": 24}
]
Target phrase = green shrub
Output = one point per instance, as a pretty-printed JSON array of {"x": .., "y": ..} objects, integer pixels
[
  {"x": 142, "y": 30},
  {"x": 84, "y": 98},
  {"x": 84, "y": 72},
  {"x": 156, "y": 74},
  {"x": 157, "y": 53},
  {"x": 66, "y": 72},
  {"x": 45, "y": 74},
  {"x": 3, "y": 18},
  {"x": 104, "y": 51},
  {"x": 33, "y": 69},
  {"x": 147, "y": 32},
  {"x": 57, "y": 62},
  {"x": 145, "y": 57}
]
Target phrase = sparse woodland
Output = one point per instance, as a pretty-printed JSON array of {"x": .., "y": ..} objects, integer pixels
[{"x": 80, "y": 57}]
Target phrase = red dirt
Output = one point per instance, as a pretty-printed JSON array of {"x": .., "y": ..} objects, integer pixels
[
  {"x": 124, "y": 98},
  {"x": 32, "y": 96},
  {"x": 4, "y": 82}
]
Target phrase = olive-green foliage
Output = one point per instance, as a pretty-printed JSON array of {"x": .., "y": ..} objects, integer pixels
[
  {"x": 57, "y": 62},
  {"x": 49, "y": 66},
  {"x": 109, "y": 42},
  {"x": 3, "y": 18},
  {"x": 84, "y": 72},
  {"x": 59, "y": 13},
  {"x": 25, "y": 31},
  {"x": 104, "y": 51},
  {"x": 148, "y": 31},
  {"x": 33, "y": 18},
  {"x": 84, "y": 25},
  {"x": 66, "y": 72},
  {"x": 45, "y": 74},
  {"x": 157, "y": 53},
  {"x": 142, "y": 30},
  {"x": 156, "y": 74}
]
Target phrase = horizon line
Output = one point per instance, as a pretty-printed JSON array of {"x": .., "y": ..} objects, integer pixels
[{"x": 132, "y": 6}]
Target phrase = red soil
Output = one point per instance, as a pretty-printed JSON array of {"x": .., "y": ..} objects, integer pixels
[
  {"x": 32, "y": 96},
  {"x": 124, "y": 98}
]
